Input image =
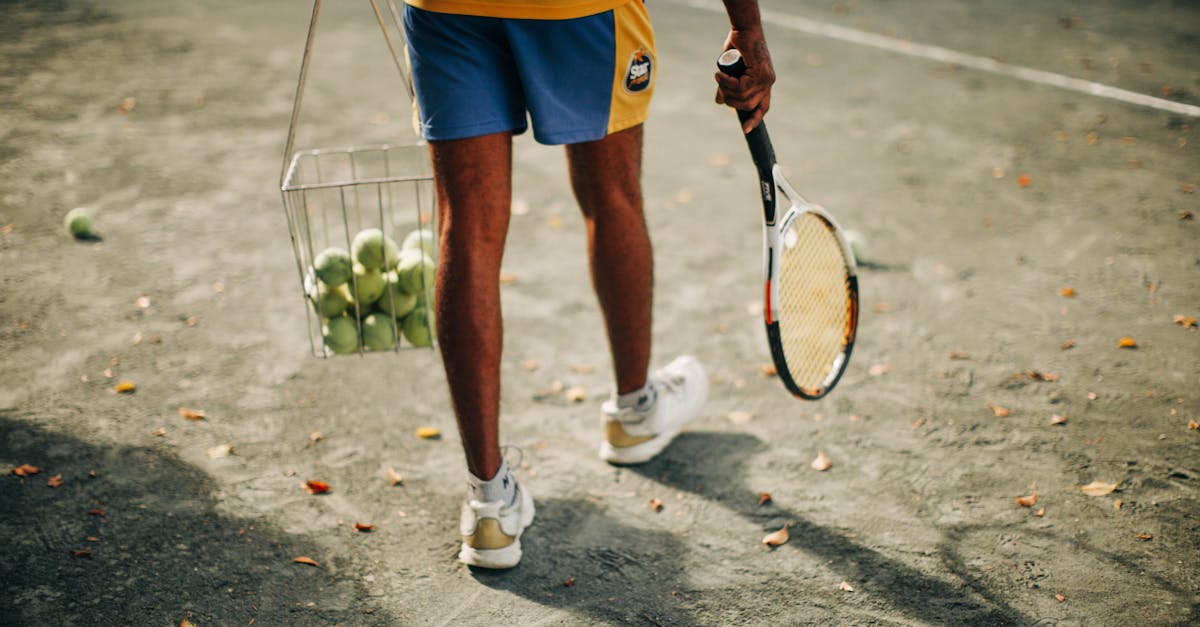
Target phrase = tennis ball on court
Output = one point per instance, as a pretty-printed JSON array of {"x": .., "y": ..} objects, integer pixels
[
  {"x": 367, "y": 285},
  {"x": 857, "y": 243},
  {"x": 374, "y": 250},
  {"x": 341, "y": 335},
  {"x": 78, "y": 222},
  {"x": 332, "y": 301},
  {"x": 332, "y": 266},
  {"x": 378, "y": 333},
  {"x": 421, "y": 239},
  {"x": 396, "y": 301},
  {"x": 415, "y": 270},
  {"x": 418, "y": 327}
]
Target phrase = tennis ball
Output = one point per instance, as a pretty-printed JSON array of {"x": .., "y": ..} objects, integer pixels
[
  {"x": 395, "y": 301},
  {"x": 378, "y": 333},
  {"x": 415, "y": 270},
  {"x": 78, "y": 222},
  {"x": 421, "y": 239},
  {"x": 332, "y": 301},
  {"x": 367, "y": 286},
  {"x": 341, "y": 335},
  {"x": 857, "y": 244},
  {"x": 332, "y": 266},
  {"x": 374, "y": 250},
  {"x": 418, "y": 328}
]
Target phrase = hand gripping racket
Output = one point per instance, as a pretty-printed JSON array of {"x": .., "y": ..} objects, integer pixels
[{"x": 811, "y": 306}]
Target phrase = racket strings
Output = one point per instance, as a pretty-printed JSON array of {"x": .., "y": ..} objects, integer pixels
[{"x": 814, "y": 301}]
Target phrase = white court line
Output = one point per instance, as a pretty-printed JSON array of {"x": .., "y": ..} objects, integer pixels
[{"x": 946, "y": 55}]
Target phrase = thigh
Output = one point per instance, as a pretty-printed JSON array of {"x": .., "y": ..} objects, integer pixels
[{"x": 464, "y": 75}]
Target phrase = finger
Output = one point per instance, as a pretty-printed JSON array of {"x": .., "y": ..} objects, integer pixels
[{"x": 753, "y": 121}]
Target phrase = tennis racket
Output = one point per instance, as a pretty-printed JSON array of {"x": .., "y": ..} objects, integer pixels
[{"x": 811, "y": 307}]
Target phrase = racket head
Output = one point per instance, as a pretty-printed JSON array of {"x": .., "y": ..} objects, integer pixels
[{"x": 812, "y": 312}]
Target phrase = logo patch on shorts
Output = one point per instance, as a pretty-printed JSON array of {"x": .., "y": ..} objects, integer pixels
[{"x": 640, "y": 71}]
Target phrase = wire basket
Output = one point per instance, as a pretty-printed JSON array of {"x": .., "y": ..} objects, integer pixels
[{"x": 361, "y": 220}]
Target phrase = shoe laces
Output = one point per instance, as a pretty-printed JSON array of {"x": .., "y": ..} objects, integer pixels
[{"x": 669, "y": 383}]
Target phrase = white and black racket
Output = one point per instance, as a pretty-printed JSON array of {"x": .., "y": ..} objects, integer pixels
[{"x": 811, "y": 306}]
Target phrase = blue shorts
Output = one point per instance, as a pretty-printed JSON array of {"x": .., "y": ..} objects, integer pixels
[{"x": 576, "y": 79}]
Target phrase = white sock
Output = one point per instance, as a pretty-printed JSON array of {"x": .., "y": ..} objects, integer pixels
[
  {"x": 502, "y": 487},
  {"x": 640, "y": 401}
]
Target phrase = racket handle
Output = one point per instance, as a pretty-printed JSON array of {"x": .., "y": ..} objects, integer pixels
[{"x": 730, "y": 62}]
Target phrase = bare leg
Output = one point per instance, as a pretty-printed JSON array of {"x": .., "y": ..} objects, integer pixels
[
  {"x": 606, "y": 178},
  {"x": 473, "y": 178}
]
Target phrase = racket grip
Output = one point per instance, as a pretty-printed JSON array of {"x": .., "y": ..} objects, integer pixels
[{"x": 731, "y": 63}]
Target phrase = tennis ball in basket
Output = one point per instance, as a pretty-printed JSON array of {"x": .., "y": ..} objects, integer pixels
[
  {"x": 421, "y": 239},
  {"x": 417, "y": 328},
  {"x": 857, "y": 243},
  {"x": 416, "y": 271},
  {"x": 341, "y": 335},
  {"x": 396, "y": 301},
  {"x": 378, "y": 333},
  {"x": 367, "y": 285},
  {"x": 374, "y": 250},
  {"x": 78, "y": 222},
  {"x": 332, "y": 266},
  {"x": 333, "y": 301}
]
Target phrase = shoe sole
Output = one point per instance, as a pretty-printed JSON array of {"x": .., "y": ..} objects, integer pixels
[
  {"x": 499, "y": 559},
  {"x": 638, "y": 453}
]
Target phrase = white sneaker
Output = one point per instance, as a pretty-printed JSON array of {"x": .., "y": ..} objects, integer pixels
[
  {"x": 632, "y": 437},
  {"x": 491, "y": 532}
]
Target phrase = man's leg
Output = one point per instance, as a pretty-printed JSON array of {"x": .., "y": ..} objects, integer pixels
[
  {"x": 606, "y": 178},
  {"x": 473, "y": 178}
]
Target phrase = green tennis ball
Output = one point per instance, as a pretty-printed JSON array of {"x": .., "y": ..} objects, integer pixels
[
  {"x": 378, "y": 334},
  {"x": 333, "y": 266},
  {"x": 857, "y": 243},
  {"x": 396, "y": 301},
  {"x": 78, "y": 222},
  {"x": 367, "y": 285},
  {"x": 421, "y": 239},
  {"x": 332, "y": 301},
  {"x": 374, "y": 250},
  {"x": 418, "y": 328},
  {"x": 341, "y": 335},
  {"x": 416, "y": 271}
]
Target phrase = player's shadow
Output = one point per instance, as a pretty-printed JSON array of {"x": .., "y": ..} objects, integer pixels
[
  {"x": 580, "y": 559},
  {"x": 712, "y": 465},
  {"x": 144, "y": 541}
]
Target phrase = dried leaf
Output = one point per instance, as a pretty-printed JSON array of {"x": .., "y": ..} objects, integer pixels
[
  {"x": 998, "y": 172},
  {"x": 1098, "y": 488},
  {"x": 143, "y": 302},
  {"x": 96, "y": 512},
  {"x": 845, "y": 586},
  {"x": 218, "y": 287},
  {"x": 1023, "y": 181},
  {"x": 1126, "y": 342},
  {"x": 1066, "y": 292},
  {"x": 529, "y": 365},
  {"x": 305, "y": 560},
  {"x": 1144, "y": 536},
  {"x": 916, "y": 424},
  {"x": 429, "y": 433},
  {"x": 126, "y": 387},
  {"x": 127, "y": 105},
  {"x": 855, "y": 418},
  {"x": 768, "y": 370},
  {"x": 394, "y": 478},
  {"x": 187, "y": 623},
  {"x": 1028, "y": 501},
  {"x": 316, "y": 436},
  {"x": 223, "y": 450},
  {"x": 776, "y": 538},
  {"x": 1118, "y": 503},
  {"x": 822, "y": 462},
  {"x": 55, "y": 481},
  {"x": 1067, "y": 344},
  {"x": 1058, "y": 420},
  {"x": 879, "y": 369},
  {"x": 316, "y": 487},
  {"x": 92, "y": 539},
  {"x": 1001, "y": 412},
  {"x": 568, "y": 582},
  {"x": 1060, "y": 598},
  {"x": 191, "y": 414},
  {"x": 576, "y": 394},
  {"x": 1187, "y": 322},
  {"x": 583, "y": 369},
  {"x": 764, "y": 498},
  {"x": 1193, "y": 425},
  {"x": 81, "y": 553},
  {"x": 508, "y": 278},
  {"x": 364, "y": 527},
  {"x": 1092, "y": 396},
  {"x": 1041, "y": 512},
  {"x": 682, "y": 196},
  {"x": 25, "y": 470},
  {"x": 960, "y": 355},
  {"x": 740, "y": 417},
  {"x": 656, "y": 505}
]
